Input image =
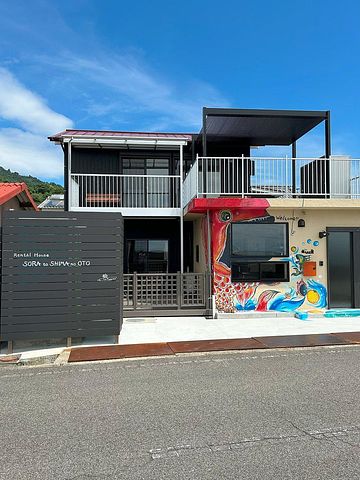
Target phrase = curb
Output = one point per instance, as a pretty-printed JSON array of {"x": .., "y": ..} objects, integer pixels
[
  {"x": 18, "y": 361},
  {"x": 114, "y": 352},
  {"x": 8, "y": 360},
  {"x": 117, "y": 352},
  {"x": 63, "y": 358}
]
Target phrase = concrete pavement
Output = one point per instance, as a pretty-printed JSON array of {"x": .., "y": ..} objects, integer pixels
[
  {"x": 173, "y": 329},
  {"x": 281, "y": 414}
]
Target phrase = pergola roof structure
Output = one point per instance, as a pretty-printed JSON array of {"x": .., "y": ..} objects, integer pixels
[{"x": 261, "y": 127}]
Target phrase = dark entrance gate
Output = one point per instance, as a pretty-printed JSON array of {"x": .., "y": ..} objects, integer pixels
[
  {"x": 343, "y": 245},
  {"x": 166, "y": 294},
  {"x": 61, "y": 275}
]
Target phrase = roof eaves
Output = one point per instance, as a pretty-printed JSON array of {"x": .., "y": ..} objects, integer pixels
[
  {"x": 29, "y": 201},
  {"x": 264, "y": 113},
  {"x": 19, "y": 190},
  {"x": 108, "y": 134}
]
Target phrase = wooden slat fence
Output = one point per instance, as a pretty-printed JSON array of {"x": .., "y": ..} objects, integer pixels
[{"x": 61, "y": 275}]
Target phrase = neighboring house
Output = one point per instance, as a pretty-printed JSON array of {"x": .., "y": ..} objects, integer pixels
[
  {"x": 277, "y": 234},
  {"x": 15, "y": 196},
  {"x": 52, "y": 202}
]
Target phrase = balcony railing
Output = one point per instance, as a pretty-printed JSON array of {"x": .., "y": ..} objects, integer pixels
[
  {"x": 334, "y": 177},
  {"x": 124, "y": 191}
]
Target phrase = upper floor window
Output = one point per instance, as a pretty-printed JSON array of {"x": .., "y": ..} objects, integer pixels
[{"x": 145, "y": 166}]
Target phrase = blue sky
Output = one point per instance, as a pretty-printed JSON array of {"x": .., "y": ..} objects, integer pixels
[{"x": 153, "y": 65}]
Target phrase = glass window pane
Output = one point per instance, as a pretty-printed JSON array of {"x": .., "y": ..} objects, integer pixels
[
  {"x": 133, "y": 166},
  {"x": 245, "y": 272},
  {"x": 158, "y": 255},
  {"x": 147, "y": 256},
  {"x": 157, "y": 166},
  {"x": 259, "y": 240},
  {"x": 158, "y": 246},
  {"x": 274, "y": 271},
  {"x": 140, "y": 246}
]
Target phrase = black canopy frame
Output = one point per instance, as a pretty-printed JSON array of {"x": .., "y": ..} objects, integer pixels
[{"x": 262, "y": 127}]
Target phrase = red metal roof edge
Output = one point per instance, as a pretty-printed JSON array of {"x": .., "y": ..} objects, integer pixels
[
  {"x": 11, "y": 190},
  {"x": 113, "y": 133}
]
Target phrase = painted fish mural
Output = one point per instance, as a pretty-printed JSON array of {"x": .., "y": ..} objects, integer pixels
[{"x": 281, "y": 297}]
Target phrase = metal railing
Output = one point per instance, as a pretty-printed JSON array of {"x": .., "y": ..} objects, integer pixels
[
  {"x": 124, "y": 191},
  {"x": 148, "y": 291},
  {"x": 334, "y": 177}
]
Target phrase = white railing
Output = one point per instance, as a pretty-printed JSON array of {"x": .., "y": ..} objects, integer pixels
[
  {"x": 124, "y": 191},
  {"x": 334, "y": 177},
  {"x": 191, "y": 184}
]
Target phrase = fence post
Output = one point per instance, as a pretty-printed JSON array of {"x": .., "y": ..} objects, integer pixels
[
  {"x": 197, "y": 176},
  {"x": 208, "y": 290},
  {"x": 178, "y": 290},
  {"x": 243, "y": 175},
  {"x": 293, "y": 174},
  {"x": 135, "y": 290}
]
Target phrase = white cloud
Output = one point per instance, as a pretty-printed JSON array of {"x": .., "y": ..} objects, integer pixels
[
  {"x": 127, "y": 85},
  {"x": 20, "y": 105},
  {"x": 25, "y": 147},
  {"x": 116, "y": 89},
  {"x": 30, "y": 154}
]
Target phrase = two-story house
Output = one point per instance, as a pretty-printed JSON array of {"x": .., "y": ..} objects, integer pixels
[{"x": 207, "y": 210}]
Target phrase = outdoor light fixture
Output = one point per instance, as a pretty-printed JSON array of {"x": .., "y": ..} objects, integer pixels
[
  {"x": 323, "y": 234},
  {"x": 301, "y": 223}
]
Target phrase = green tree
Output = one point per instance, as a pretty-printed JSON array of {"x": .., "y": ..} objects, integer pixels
[{"x": 38, "y": 189}]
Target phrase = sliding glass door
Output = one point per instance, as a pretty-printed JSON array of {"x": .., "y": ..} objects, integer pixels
[
  {"x": 147, "y": 256},
  {"x": 146, "y": 183}
]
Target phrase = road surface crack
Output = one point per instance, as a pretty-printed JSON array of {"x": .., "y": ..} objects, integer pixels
[{"x": 324, "y": 434}]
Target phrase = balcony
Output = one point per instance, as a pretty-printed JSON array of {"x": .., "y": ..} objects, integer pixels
[
  {"x": 132, "y": 195},
  {"x": 334, "y": 177}
]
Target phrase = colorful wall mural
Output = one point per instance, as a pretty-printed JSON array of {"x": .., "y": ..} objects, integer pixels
[{"x": 299, "y": 293}]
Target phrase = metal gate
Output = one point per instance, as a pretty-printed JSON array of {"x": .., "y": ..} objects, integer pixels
[{"x": 61, "y": 274}]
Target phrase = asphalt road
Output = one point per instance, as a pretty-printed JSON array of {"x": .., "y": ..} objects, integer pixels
[{"x": 259, "y": 415}]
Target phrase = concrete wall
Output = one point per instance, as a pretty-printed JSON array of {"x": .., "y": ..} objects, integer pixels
[
  {"x": 315, "y": 222},
  {"x": 200, "y": 242},
  {"x": 301, "y": 292}
]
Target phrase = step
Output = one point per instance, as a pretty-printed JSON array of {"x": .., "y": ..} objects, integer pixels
[{"x": 253, "y": 314}]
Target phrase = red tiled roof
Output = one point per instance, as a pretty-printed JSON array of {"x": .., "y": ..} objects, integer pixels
[
  {"x": 112, "y": 133},
  {"x": 20, "y": 190}
]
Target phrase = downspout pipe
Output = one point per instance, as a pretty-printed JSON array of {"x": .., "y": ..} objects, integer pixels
[{"x": 209, "y": 266}]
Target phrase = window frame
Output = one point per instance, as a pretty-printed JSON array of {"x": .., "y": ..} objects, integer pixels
[
  {"x": 260, "y": 279},
  {"x": 263, "y": 255}
]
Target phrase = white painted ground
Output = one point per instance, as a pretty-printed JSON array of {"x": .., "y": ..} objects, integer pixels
[{"x": 166, "y": 329}]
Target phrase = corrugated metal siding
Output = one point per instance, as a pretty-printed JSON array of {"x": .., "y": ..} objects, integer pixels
[
  {"x": 108, "y": 161},
  {"x": 86, "y": 160}
]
